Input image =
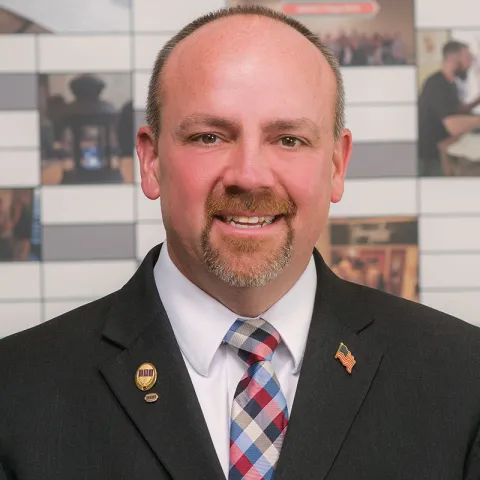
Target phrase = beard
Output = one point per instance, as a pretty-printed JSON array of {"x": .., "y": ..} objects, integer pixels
[
  {"x": 263, "y": 266},
  {"x": 461, "y": 73}
]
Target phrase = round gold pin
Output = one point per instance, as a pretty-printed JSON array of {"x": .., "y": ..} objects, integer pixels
[
  {"x": 151, "y": 397},
  {"x": 146, "y": 376}
]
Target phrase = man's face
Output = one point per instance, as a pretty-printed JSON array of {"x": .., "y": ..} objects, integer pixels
[
  {"x": 247, "y": 162},
  {"x": 464, "y": 62}
]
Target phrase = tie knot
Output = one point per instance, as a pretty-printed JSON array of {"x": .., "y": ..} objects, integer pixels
[{"x": 254, "y": 340}]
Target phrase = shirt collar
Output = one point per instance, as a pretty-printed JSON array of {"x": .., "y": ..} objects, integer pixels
[{"x": 200, "y": 322}]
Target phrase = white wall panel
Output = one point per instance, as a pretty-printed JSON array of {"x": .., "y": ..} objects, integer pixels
[
  {"x": 464, "y": 305},
  {"x": 18, "y": 316},
  {"x": 449, "y": 195},
  {"x": 370, "y": 85},
  {"x": 147, "y": 209},
  {"x": 19, "y": 129},
  {"x": 155, "y": 16},
  {"x": 87, "y": 204},
  {"x": 377, "y": 197},
  {"x": 92, "y": 53},
  {"x": 146, "y": 48},
  {"x": 19, "y": 280},
  {"x": 19, "y": 168},
  {"x": 449, "y": 234},
  {"x": 446, "y": 14},
  {"x": 449, "y": 271},
  {"x": 66, "y": 280},
  {"x": 382, "y": 123},
  {"x": 148, "y": 235},
  {"x": 18, "y": 53}
]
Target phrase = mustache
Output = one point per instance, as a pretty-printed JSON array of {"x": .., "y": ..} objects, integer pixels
[{"x": 264, "y": 201}]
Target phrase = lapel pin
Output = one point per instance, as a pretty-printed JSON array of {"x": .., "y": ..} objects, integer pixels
[
  {"x": 151, "y": 397},
  {"x": 146, "y": 376},
  {"x": 346, "y": 358}
]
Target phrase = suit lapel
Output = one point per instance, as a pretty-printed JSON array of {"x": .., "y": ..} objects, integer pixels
[
  {"x": 328, "y": 398},
  {"x": 173, "y": 426}
]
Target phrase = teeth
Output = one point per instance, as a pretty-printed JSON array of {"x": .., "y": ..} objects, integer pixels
[
  {"x": 252, "y": 220},
  {"x": 240, "y": 221}
]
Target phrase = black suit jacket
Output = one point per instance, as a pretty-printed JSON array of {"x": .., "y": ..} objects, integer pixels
[{"x": 69, "y": 407}]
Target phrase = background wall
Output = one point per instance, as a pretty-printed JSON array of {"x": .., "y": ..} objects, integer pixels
[{"x": 94, "y": 234}]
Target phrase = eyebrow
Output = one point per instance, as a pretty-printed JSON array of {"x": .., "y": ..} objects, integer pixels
[
  {"x": 294, "y": 124},
  {"x": 207, "y": 120}
]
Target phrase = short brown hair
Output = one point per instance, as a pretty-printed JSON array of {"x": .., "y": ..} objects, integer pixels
[{"x": 155, "y": 89}]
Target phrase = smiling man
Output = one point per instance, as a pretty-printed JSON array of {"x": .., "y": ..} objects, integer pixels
[{"x": 234, "y": 351}]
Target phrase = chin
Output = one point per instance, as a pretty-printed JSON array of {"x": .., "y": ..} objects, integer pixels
[{"x": 248, "y": 265}]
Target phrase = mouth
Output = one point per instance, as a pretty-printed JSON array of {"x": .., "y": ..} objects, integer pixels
[{"x": 249, "y": 221}]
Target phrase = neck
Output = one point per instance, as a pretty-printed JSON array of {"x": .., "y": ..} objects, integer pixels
[
  {"x": 246, "y": 301},
  {"x": 448, "y": 73}
]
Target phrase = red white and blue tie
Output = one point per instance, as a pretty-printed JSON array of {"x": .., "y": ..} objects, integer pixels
[{"x": 259, "y": 412}]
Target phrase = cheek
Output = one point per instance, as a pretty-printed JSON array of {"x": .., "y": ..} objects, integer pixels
[
  {"x": 185, "y": 185},
  {"x": 309, "y": 185}
]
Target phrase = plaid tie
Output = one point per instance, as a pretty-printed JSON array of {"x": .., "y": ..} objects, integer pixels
[{"x": 259, "y": 411}]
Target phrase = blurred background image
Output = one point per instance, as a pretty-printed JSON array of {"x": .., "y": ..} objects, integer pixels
[
  {"x": 370, "y": 33},
  {"x": 380, "y": 253},
  {"x": 20, "y": 231},
  {"x": 86, "y": 128},
  {"x": 448, "y": 84}
]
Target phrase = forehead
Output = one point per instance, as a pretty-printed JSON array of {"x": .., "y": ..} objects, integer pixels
[{"x": 251, "y": 56}]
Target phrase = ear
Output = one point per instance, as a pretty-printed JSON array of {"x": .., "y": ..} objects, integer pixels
[
  {"x": 340, "y": 160},
  {"x": 147, "y": 152}
]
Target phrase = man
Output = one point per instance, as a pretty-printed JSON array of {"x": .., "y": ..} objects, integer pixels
[
  {"x": 234, "y": 352},
  {"x": 441, "y": 113}
]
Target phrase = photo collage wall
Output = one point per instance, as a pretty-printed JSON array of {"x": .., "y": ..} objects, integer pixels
[{"x": 74, "y": 224}]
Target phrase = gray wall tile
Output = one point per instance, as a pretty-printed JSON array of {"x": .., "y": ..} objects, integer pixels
[
  {"x": 88, "y": 242},
  {"x": 371, "y": 160},
  {"x": 18, "y": 91},
  {"x": 139, "y": 119}
]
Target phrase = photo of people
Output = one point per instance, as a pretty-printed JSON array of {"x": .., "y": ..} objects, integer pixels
[
  {"x": 64, "y": 16},
  {"x": 371, "y": 33},
  {"x": 449, "y": 103},
  {"x": 86, "y": 128},
  {"x": 381, "y": 253},
  {"x": 20, "y": 230}
]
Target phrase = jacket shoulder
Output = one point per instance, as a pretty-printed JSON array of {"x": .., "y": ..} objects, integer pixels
[
  {"x": 406, "y": 324},
  {"x": 56, "y": 336}
]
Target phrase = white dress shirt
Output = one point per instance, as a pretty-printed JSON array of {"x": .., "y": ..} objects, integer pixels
[{"x": 200, "y": 323}]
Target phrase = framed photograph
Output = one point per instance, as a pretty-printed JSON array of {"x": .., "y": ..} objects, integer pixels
[
  {"x": 380, "y": 253},
  {"x": 449, "y": 103},
  {"x": 360, "y": 33},
  {"x": 86, "y": 128},
  {"x": 20, "y": 228}
]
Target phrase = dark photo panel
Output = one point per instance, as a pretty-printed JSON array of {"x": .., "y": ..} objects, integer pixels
[
  {"x": 381, "y": 253},
  {"x": 20, "y": 228},
  {"x": 449, "y": 103},
  {"x": 86, "y": 128},
  {"x": 65, "y": 16},
  {"x": 11, "y": 22},
  {"x": 360, "y": 33}
]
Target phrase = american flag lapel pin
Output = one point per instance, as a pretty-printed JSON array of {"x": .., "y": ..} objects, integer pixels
[{"x": 346, "y": 358}]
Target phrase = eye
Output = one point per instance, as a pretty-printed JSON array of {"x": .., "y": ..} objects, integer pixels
[
  {"x": 291, "y": 142},
  {"x": 206, "y": 139}
]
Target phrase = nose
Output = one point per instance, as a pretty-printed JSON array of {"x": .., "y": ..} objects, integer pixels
[{"x": 248, "y": 169}]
